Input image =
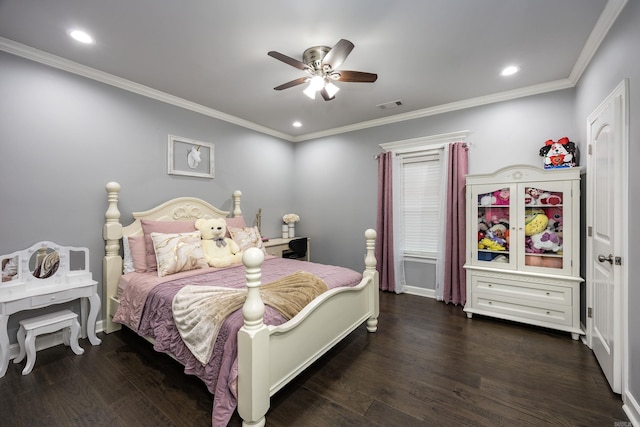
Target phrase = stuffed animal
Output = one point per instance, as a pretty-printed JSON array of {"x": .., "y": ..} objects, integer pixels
[
  {"x": 496, "y": 216},
  {"x": 547, "y": 241},
  {"x": 535, "y": 221},
  {"x": 552, "y": 199},
  {"x": 220, "y": 251},
  {"x": 486, "y": 199},
  {"x": 531, "y": 196},
  {"x": 487, "y": 243},
  {"x": 555, "y": 219},
  {"x": 502, "y": 197},
  {"x": 560, "y": 154},
  {"x": 529, "y": 248}
]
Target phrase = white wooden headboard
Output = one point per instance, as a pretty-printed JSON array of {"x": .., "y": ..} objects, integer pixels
[{"x": 179, "y": 209}]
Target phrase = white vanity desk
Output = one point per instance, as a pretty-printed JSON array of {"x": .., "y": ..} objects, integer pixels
[{"x": 56, "y": 283}]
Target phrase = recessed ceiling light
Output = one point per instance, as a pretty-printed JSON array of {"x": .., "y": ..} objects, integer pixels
[
  {"x": 511, "y": 69},
  {"x": 297, "y": 124},
  {"x": 81, "y": 36}
]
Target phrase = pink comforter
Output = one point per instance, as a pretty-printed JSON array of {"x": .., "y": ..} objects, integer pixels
[{"x": 145, "y": 306}]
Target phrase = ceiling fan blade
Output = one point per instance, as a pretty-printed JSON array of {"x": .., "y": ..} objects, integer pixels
[
  {"x": 325, "y": 95},
  {"x": 292, "y": 83},
  {"x": 354, "y": 76},
  {"x": 288, "y": 60},
  {"x": 338, "y": 53}
]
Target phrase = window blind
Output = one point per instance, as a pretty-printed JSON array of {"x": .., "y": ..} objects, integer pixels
[{"x": 421, "y": 201}]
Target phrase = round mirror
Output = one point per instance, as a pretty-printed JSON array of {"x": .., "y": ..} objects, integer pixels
[{"x": 44, "y": 263}]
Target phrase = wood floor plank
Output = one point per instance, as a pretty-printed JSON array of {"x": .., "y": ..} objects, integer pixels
[{"x": 428, "y": 365}]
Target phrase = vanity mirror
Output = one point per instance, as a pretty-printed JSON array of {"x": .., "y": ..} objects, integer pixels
[
  {"x": 44, "y": 262},
  {"x": 9, "y": 268}
]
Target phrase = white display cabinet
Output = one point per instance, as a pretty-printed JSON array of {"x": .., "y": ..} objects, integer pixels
[{"x": 523, "y": 246}]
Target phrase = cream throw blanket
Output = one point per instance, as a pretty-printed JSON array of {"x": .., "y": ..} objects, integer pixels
[{"x": 199, "y": 311}]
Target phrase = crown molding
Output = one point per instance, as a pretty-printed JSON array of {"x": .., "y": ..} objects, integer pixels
[
  {"x": 445, "y": 108},
  {"x": 54, "y": 61},
  {"x": 599, "y": 32}
]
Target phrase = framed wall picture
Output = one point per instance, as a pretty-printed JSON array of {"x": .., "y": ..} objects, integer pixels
[{"x": 190, "y": 157}]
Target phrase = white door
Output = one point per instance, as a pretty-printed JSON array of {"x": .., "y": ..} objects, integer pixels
[{"x": 605, "y": 216}]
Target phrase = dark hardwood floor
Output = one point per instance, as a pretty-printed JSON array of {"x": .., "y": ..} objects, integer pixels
[{"x": 428, "y": 365}]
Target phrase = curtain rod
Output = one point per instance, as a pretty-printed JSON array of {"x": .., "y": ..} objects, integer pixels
[{"x": 464, "y": 144}]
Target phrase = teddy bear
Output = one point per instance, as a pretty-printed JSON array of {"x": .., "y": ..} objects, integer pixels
[{"x": 220, "y": 251}]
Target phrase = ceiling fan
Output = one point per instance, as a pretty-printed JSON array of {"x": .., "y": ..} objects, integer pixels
[{"x": 321, "y": 63}]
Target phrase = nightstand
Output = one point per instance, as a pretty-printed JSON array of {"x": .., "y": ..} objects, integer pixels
[{"x": 278, "y": 245}]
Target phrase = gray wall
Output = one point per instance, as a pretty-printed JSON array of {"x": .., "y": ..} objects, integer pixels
[
  {"x": 616, "y": 60},
  {"x": 336, "y": 177},
  {"x": 63, "y": 137}
]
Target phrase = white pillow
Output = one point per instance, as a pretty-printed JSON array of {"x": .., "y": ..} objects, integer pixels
[
  {"x": 176, "y": 252},
  {"x": 127, "y": 262}
]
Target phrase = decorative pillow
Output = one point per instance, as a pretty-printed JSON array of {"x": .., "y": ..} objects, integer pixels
[
  {"x": 176, "y": 252},
  {"x": 247, "y": 237},
  {"x": 235, "y": 222},
  {"x": 138, "y": 253},
  {"x": 164, "y": 227}
]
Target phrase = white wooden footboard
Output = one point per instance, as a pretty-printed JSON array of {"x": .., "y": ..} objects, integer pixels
[{"x": 271, "y": 356}]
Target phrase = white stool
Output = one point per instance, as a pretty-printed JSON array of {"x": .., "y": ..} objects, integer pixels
[{"x": 45, "y": 324}]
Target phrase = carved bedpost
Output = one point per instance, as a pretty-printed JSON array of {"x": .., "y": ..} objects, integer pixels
[
  {"x": 236, "y": 203},
  {"x": 370, "y": 270},
  {"x": 253, "y": 348},
  {"x": 112, "y": 262}
]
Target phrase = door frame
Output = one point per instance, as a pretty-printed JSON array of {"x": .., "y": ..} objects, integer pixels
[{"x": 622, "y": 240}]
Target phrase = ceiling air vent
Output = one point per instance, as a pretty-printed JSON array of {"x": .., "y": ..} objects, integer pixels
[{"x": 389, "y": 105}]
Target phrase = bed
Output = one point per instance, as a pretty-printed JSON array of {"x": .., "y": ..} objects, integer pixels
[{"x": 262, "y": 351}]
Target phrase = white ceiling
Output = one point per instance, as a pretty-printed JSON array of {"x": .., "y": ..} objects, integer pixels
[{"x": 211, "y": 56}]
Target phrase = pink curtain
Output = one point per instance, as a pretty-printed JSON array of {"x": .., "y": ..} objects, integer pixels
[
  {"x": 384, "y": 224},
  {"x": 455, "y": 290}
]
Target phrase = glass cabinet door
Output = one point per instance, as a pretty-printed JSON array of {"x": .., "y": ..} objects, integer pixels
[
  {"x": 493, "y": 207},
  {"x": 544, "y": 213}
]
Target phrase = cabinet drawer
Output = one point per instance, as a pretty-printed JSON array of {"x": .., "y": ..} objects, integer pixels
[
  {"x": 545, "y": 294},
  {"x": 54, "y": 298},
  {"x": 522, "y": 309}
]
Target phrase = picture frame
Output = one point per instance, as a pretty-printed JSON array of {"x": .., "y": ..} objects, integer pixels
[{"x": 189, "y": 157}]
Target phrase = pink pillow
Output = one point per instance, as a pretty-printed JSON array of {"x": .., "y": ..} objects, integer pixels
[
  {"x": 149, "y": 226},
  {"x": 236, "y": 222},
  {"x": 138, "y": 253}
]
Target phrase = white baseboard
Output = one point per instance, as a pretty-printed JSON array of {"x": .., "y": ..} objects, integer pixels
[
  {"x": 631, "y": 408},
  {"x": 414, "y": 290}
]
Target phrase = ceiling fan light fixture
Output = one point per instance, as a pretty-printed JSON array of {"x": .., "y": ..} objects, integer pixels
[
  {"x": 331, "y": 89},
  {"x": 316, "y": 83},
  {"x": 310, "y": 91}
]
